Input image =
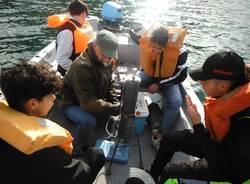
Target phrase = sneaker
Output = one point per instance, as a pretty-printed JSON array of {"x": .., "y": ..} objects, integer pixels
[{"x": 155, "y": 142}]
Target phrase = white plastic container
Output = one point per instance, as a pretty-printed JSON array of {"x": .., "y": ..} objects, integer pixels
[{"x": 141, "y": 113}]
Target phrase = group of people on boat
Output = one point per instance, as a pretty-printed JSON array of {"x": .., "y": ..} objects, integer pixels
[{"x": 38, "y": 150}]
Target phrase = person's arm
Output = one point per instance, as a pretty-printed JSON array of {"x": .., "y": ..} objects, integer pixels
[
  {"x": 84, "y": 88},
  {"x": 180, "y": 73},
  {"x": 64, "y": 48},
  {"x": 207, "y": 146},
  {"x": 234, "y": 149},
  {"x": 216, "y": 153}
]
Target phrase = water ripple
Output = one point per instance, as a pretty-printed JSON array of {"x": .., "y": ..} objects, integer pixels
[{"x": 211, "y": 24}]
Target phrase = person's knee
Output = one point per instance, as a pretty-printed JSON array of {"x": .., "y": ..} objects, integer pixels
[
  {"x": 179, "y": 101},
  {"x": 172, "y": 96},
  {"x": 92, "y": 120},
  {"x": 99, "y": 156},
  {"x": 175, "y": 103},
  {"x": 79, "y": 116},
  {"x": 89, "y": 120}
]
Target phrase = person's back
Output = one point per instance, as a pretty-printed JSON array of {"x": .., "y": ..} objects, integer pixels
[
  {"x": 74, "y": 34},
  {"x": 235, "y": 151},
  {"x": 35, "y": 149}
]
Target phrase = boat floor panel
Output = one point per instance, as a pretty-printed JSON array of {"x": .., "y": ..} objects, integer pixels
[{"x": 119, "y": 172}]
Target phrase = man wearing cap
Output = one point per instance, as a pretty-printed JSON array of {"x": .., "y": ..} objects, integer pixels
[
  {"x": 222, "y": 146},
  {"x": 88, "y": 93}
]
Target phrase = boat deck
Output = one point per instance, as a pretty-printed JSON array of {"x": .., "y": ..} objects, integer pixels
[{"x": 120, "y": 172}]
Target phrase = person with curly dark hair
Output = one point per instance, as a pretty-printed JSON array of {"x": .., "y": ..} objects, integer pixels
[
  {"x": 26, "y": 81},
  {"x": 35, "y": 149}
]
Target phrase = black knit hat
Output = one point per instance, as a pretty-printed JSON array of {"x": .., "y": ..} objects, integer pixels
[{"x": 223, "y": 65}]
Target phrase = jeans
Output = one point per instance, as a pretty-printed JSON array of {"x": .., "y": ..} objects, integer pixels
[
  {"x": 93, "y": 157},
  {"x": 85, "y": 127},
  {"x": 172, "y": 101},
  {"x": 79, "y": 116}
]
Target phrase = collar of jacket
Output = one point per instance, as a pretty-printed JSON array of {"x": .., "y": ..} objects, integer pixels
[{"x": 73, "y": 19}]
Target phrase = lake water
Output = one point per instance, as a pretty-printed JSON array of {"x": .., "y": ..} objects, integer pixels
[{"x": 212, "y": 24}]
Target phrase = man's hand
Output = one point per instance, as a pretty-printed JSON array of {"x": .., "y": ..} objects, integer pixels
[
  {"x": 153, "y": 88},
  {"x": 192, "y": 111}
]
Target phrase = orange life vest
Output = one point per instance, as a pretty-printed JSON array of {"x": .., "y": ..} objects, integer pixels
[
  {"x": 82, "y": 35},
  {"x": 171, "y": 53},
  {"x": 29, "y": 134},
  {"x": 219, "y": 111}
]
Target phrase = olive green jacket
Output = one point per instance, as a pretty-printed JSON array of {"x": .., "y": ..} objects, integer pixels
[{"x": 88, "y": 84}]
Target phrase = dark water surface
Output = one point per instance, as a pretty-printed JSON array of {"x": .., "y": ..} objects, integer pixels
[{"x": 211, "y": 24}]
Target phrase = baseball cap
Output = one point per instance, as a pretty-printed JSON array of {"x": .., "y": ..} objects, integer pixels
[
  {"x": 223, "y": 65},
  {"x": 108, "y": 43}
]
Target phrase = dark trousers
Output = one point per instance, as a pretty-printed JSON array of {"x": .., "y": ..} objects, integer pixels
[
  {"x": 185, "y": 141},
  {"x": 94, "y": 160}
]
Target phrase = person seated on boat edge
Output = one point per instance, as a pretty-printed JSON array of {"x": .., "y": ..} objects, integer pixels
[
  {"x": 223, "y": 146},
  {"x": 74, "y": 35},
  {"x": 35, "y": 149},
  {"x": 164, "y": 67},
  {"x": 88, "y": 94}
]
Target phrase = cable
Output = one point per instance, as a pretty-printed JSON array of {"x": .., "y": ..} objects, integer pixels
[{"x": 111, "y": 135}]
